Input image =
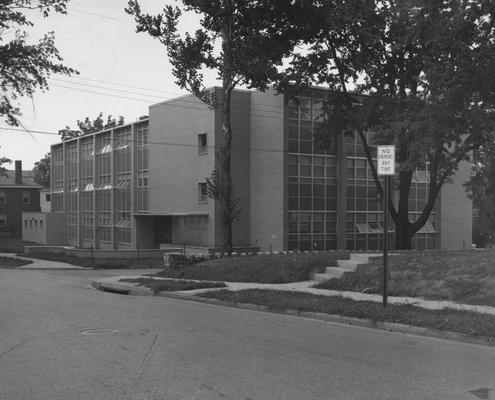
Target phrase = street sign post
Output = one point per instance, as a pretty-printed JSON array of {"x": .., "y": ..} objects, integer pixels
[{"x": 386, "y": 167}]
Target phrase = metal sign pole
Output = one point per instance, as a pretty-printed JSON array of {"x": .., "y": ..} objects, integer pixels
[
  {"x": 385, "y": 157},
  {"x": 385, "y": 239}
]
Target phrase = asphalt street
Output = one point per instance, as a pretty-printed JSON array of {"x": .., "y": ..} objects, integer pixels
[{"x": 60, "y": 339}]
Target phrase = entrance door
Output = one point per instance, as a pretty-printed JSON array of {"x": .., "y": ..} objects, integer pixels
[{"x": 162, "y": 231}]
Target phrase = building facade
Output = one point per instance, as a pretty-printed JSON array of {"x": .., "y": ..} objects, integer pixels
[
  {"x": 18, "y": 193},
  {"x": 144, "y": 184}
]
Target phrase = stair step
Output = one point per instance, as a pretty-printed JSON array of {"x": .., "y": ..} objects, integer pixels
[
  {"x": 331, "y": 272},
  {"x": 321, "y": 277},
  {"x": 364, "y": 258},
  {"x": 336, "y": 272},
  {"x": 350, "y": 265}
]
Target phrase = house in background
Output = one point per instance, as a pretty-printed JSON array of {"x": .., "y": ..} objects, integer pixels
[
  {"x": 43, "y": 227},
  {"x": 18, "y": 193},
  {"x": 143, "y": 184}
]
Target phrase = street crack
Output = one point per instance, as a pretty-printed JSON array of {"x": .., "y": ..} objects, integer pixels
[{"x": 146, "y": 356}]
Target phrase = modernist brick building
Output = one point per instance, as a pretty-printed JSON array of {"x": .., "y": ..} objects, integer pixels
[
  {"x": 143, "y": 184},
  {"x": 18, "y": 193}
]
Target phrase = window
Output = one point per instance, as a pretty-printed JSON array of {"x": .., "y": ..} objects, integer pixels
[
  {"x": 142, "y": 135},
  {"x": 202, "y": 143},
  {"x": 41, "y": 223},
  {"x": 202, "y": 194},
  {"x": 3, "y": 219},
  {"x": 123, "y": 180},
  {"x": 25, "y": 197},
  {"x": 142, "y": 177},
  {"x": 48, "y": 197},
  {"x": 2, "y": 198}
]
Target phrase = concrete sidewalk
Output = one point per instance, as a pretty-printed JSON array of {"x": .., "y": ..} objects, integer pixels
[
  {"x": 41, "y": 264},
  {"x": 114, "y": 284}
]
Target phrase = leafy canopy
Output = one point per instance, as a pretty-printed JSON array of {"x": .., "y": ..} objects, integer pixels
[
  {"x": 87, "y": 126},
  {"x": 422, "y": 75},
  {"x": 41, "y": 171},
  {"x": 24, "y": 66}
]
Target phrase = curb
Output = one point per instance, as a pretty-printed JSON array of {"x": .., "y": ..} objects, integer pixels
[{"x": 127, "y": 289}]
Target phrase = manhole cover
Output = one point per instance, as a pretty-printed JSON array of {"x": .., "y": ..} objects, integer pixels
[{"x": 99, "y": 331}]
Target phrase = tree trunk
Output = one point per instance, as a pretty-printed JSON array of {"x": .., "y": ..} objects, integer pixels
[
  {"x": 226, "y": 144},
  {"x": 403, "y": 231},
  {"x": 403, "y": 237}
]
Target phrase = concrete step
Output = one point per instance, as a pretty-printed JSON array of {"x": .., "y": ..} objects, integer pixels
[
  {"x": 331, "y": 272},
  {"x": 363, "y": 258},
  {"x": 350, "y": 265}
]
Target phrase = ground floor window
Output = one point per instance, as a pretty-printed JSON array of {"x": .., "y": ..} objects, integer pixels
[{"x": 123, "y": 235}]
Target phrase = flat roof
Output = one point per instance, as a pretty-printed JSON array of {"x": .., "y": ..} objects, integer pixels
[{"x": 171, "y": 214}]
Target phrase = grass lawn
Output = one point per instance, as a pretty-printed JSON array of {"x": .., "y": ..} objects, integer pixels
[
  {"x": 448, "y": 320},
  {"x": 275, "y": 268},
  {"x": 159, "y": 285},
  {"x": 9, "y": 262},
  {"x": 462, "y": 276},
  {"x": 14, "y": 245},
  {"x": 109, "y": 263}
]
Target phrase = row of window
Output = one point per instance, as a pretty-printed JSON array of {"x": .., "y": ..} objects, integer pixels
[
  {"x": 28, "y": 223},
  {"x": 26, "y": 197}
]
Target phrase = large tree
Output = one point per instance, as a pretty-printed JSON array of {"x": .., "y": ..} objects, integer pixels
[
  {"x": 243, "y": 41},
  {"x": 25, "y": 66},
  {"x": 88, "y": 126},
  {"x": 422, "y": 72},
  {"x": 41, "y": 171}
]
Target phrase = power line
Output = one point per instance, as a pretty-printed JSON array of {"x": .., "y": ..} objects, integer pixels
[
  {"x": 160, "y": 143},
  {"x": 169, "y": 104},
  {"x": 181, "y": 100},
  {"x": 94, "y": 14}
]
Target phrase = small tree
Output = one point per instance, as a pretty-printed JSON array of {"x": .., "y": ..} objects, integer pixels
[
  {"x": 243, "y": 41},
  {"x": 41, "y": 171},
  {"x": 3, "y": 170},
  {"x": 25, "y": 67},
  {"x": 87, "y": 126}
]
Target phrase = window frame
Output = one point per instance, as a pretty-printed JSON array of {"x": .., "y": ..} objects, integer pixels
[
  {"x": 202, "y": 197},
  {"x": 202, "y": 144},
  {"x": 26, "y": 196}
]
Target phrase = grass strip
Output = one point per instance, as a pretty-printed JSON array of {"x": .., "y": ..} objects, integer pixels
[
  {"x": 104, "y": 263},
  {"x": 10, "y": 262},
  {"x": 448, "y": 320},
  {"x": 462, "y": 276},
  {"x": 160, "y": 285},
  {"x": 275, "y": 268}
]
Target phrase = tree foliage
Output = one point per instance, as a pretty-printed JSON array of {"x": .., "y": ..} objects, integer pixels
[
  {"x": 41, "y": 171},
  {"x": 24, "y": 66},
  {"x": 481, "y": 189},
  {"x": 243, "y": 41},
  {"x": 88, "y": 126},
  {"x": 422, "y": 74},
  {"x": 3, "y": 170}
]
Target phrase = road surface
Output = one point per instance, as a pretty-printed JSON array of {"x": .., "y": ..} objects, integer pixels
[{"x": 62, "y": 340}]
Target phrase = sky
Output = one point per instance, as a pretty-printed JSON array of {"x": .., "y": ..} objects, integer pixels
[{"x": 121, "y": 72}]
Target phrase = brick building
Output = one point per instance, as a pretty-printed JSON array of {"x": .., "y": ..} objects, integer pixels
[
  {"x": 143, "y": 184},
  {"x": 18, "y": 193}
]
